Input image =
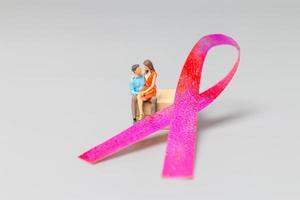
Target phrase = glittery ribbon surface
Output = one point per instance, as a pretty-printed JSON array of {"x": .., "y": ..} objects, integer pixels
[{"x": 181, "y": 116}]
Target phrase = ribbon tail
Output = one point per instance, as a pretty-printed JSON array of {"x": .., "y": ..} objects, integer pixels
[
  {"x": 180, "y": 153},
  {"x": 133, "y": 134}
]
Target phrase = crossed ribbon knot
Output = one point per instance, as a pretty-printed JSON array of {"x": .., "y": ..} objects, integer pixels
[{"x": 181, "y": 116}]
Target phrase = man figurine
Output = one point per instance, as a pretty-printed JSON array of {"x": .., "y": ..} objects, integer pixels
[{"x": 136, "y": 83}]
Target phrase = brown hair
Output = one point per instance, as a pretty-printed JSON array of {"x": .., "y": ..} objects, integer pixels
[{"x": 149, "y": 64}]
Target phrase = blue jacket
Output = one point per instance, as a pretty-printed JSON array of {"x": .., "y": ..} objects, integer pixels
[{"x": 136, "y": 84}]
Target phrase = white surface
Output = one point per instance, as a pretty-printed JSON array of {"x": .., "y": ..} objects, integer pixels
[{"x": 64, "y": 72}]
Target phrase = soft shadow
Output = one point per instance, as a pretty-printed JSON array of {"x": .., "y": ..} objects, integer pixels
[
  {"x": 203, "y": 123},
  {"x": 161, "y": 137}
]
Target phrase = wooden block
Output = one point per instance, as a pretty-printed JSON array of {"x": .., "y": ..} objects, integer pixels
[{"x": 165, "y": 97}]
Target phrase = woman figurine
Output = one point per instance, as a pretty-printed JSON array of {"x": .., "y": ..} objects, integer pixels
[{"x": 149, "y": 90}]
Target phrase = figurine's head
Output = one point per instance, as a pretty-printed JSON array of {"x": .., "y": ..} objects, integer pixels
[
  {"x": 148, "y": 66},
  {"x": 136, "y": 69}
]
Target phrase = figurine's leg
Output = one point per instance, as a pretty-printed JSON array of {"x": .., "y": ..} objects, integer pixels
[
  {"x": 153, "y": 104},
  {"x": 140, "y": 106},
  {"x": 134, "y": 106}
]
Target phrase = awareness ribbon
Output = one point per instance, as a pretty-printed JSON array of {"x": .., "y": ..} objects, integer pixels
[{"x": 181, "y": 116}]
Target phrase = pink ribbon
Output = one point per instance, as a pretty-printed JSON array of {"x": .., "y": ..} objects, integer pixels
[{"x": 181, "y": 116}]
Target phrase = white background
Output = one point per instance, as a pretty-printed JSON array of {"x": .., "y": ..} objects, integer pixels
[{"x": 64, "y": 72}]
